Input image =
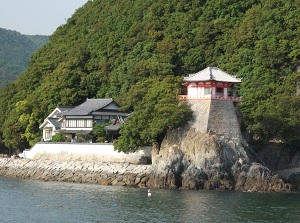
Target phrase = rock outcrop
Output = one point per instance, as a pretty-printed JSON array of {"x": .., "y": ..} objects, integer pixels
[
  {"x": 291, "y": 176},
  {"x": 209, "y": 154},
  {"x": 208, "y": 161}
]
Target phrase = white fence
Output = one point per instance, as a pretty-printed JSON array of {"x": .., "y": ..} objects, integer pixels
[{"x": 102, "y": 152}]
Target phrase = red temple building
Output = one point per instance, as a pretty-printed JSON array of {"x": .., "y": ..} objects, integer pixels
[{"x": 211, "y": 83}]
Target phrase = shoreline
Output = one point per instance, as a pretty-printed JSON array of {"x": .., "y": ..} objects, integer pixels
[
  {"x": 120, "y": 174},
  {"x": 89, "y": 172}
]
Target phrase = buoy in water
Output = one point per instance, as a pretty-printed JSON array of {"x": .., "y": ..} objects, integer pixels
[{"x": 149, "y": 193}]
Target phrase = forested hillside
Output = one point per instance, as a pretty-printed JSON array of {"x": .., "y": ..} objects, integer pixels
[
  {"x": 121, "y": 48},
  {"x": 15, "y": 52}
]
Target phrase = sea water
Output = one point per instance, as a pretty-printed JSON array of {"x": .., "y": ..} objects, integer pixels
[{"x": 38, "y": 201}]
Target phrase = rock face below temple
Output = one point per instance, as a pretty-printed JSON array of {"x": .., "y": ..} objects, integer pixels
[{"x": 208, "y": 153}]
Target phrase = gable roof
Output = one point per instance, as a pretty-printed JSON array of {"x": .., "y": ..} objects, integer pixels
[
  {"x": 89, "y": 106},
  {"x": 116, "y": 125},
  {"x": 59, "y": 109},
  {"x": 51, "y": 117},
  {"x": 212, "y": 73},
  {"x": 54, "y": 122},
  {"x": 65, "y": 108}
]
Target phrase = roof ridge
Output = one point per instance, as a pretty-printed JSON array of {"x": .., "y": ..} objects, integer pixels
[
  {"x": 102, "y": 99},
  {"x": 99, "y": 99},
  {"x": 212, "y": 73},
  {"x": 234, "y": 76}
]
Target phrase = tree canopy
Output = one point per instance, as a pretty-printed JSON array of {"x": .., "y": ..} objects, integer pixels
[
  {"x": 156, "y": 109},
  {"x": 116, "y": 48},
  {"x": 15, "y": 52}
]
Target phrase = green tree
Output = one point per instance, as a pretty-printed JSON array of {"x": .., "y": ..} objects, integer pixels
[
  {"x": 83, "y": 136},
  {"x": 60, "y": 137},
  {"x": 157, "y": 109},
  {"x": 99, "y": 132},
  {"x": 15, "y": 52}
]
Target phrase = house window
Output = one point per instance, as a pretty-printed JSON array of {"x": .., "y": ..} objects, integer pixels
[
  {"x": 207, "y": 90},
  {"x": 47, "y": 134},
  {"x": 89, "y": 123},
  {"x": 81, "y": 123},
  {"x": 220, "y": 91},
  {"x": 72, "y": 123},
  {"x": 100, "y": 122}
]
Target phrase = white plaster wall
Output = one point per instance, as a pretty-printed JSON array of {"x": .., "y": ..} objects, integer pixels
[
  {"x": 84, "y": 151},
  {"x": 213, "y": 92},
  {"x": 225, "y": 92},
  {"x": 192, "y": 92}
]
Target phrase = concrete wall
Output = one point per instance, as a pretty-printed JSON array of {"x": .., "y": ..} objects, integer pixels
[{"x": 101, "y": 152}]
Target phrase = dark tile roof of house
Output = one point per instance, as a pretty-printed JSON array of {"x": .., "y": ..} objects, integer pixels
[
  {"x": 65, "y": 108},
  {"x": 113, "y": 127},
  {"x": 89, "y": 106},
  {"x": 54, "y": 122}
]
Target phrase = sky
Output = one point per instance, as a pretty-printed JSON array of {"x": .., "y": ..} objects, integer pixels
[{"x": 36, "y": 17}]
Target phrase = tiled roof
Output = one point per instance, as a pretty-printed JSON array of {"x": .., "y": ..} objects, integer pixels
[
  {"x": 212, "y": 73},
  {"x": 54, "y": 122},
  {"x": 89, "y": 106},
  {"x": 116, "y": 125},
  {"x": 65, "y": 108},
  {"x": 113, "y": 127}
]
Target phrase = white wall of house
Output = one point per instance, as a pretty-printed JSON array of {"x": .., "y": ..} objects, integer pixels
[
  {"x": 192, "y": 90},
  {"x": 102, "y": 152},
  {"x": 48, "y": 132}
]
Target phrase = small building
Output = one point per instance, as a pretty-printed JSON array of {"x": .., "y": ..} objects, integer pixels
[
  {"x": 211, "y": 95},
  {"x": 211, "y": 83},
  {"x": 82, "y": 118},
  {"x": 51, "y": 126},
  {"x": 113, "y": 129}
]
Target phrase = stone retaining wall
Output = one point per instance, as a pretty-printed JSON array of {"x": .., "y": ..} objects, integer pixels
[
  {"x": 223, "y": 119},
  {"x": 122, "y": 174},
  {"x": 201, "y": 110},
  {"x": 216, "y": 115}
]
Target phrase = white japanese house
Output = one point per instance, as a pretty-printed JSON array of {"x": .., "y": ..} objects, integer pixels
[
  {"x": 211, "y": 83},
  {"x": 50, "y": 126},
  {"x": 71, "y": 120}
]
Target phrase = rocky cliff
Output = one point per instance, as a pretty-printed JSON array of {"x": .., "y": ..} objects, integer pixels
[{"x": 208, "y": 153}]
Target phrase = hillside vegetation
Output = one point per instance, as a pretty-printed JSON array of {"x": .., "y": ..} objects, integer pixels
[
  {"x": 108, "y": 47},
  {"x": 15, "y": 52}
]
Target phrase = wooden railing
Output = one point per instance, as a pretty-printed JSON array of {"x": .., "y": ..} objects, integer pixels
[{"x": 229, "y": 98}]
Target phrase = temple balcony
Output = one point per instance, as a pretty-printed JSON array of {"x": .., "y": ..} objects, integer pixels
[{"x": 209, "y": 97}]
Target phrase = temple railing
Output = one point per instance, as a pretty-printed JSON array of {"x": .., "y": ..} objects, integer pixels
[{"x": 228, "y": 98}]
